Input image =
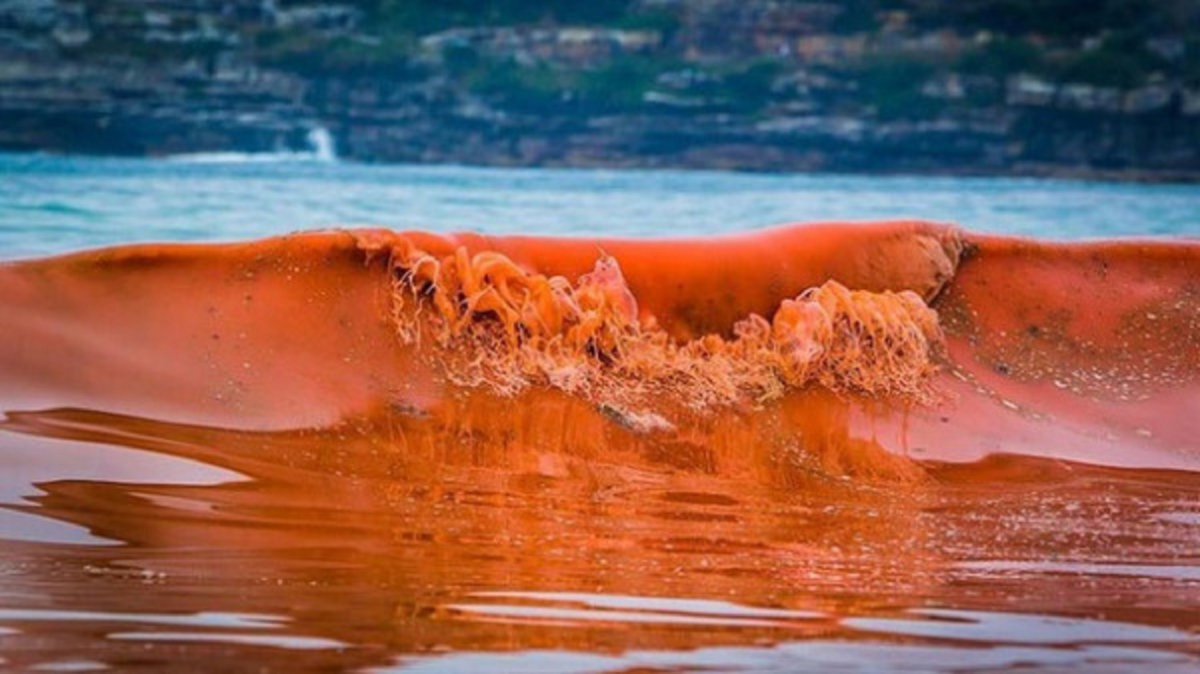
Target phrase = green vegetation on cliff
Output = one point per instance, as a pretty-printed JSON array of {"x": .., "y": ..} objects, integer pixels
[
  {"x": 761, "y": 83},
  {"x": 893, "y": 58}
]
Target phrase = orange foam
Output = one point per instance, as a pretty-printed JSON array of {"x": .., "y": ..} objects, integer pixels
[{"x": 498, "y": 325}]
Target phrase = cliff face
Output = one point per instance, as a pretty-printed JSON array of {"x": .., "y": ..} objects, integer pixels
[
  {"x": 742, "y": 84},
  {"x": 140, "y": 78}
]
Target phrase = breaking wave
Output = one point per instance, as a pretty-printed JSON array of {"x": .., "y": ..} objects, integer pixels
[{"x": 870, "y": 346}]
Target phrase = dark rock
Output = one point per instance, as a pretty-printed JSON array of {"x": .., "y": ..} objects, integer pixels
[{"x": 752, "y": 85}]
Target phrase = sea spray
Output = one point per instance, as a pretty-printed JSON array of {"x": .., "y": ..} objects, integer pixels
[{"x": 506, "y": 328}]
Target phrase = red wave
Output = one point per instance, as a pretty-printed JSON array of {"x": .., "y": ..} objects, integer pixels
[{"x": 1083, "y": 351}]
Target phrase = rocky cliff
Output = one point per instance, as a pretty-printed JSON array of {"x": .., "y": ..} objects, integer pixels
[{"x": 741, "y": 84}]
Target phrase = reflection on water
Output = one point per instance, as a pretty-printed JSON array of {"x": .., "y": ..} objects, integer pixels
[
  {"x": 383, "y": 545},
  {"x": 811, "y": 656},
  {"x": 997, "y": 627}
]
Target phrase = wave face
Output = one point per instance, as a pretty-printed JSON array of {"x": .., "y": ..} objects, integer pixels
[{"x": 868, "y": 348}]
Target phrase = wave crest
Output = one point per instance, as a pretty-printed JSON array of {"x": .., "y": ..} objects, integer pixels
[{"x": 508, "y": 328}]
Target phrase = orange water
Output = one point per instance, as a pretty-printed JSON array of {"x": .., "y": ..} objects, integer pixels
[
  {"x": 134, "y": 543},
  {"x": 228, "y": 459}
]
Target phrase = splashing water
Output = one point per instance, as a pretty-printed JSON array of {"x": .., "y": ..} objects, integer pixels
[
  {"x": 322, "y": 144},
  {"x": 507, "y": 328}
]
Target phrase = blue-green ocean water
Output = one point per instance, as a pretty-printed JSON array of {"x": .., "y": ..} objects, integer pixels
[{"x": 52, "y": 204}]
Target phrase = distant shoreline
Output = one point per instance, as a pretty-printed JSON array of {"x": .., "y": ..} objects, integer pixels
[
  {"x": 654, "y": 163},
  {"x": 1012, "y": 88}
]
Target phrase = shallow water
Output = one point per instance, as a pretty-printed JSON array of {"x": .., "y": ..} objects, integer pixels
[
  {"x": 131, "y": 543},
  {"x": 178, "y": 545}
]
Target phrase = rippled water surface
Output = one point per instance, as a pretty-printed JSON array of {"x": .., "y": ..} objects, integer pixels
[
  {"x": 51, "y": 204},
  {"x": 164, "y": 546},
  {"x": 137, "y": 544}
]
